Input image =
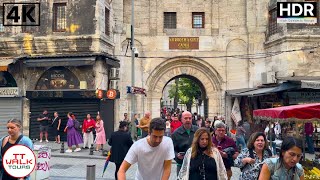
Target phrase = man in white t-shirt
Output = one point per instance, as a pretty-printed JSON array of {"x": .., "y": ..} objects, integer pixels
[{"x": 152, "y": 153}]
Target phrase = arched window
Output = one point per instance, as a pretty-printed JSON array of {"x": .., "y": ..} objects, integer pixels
[
  {"x": 7, "y": 80},
  {"x": 58, "y": 78}
]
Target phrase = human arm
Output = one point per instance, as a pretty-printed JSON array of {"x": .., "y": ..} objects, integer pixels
[
  {"x": 235, "y": 155},
  {"x": 123, "y": 169},
  {"x": 99, "y": 126},
  {"x": 243, "y": 159},
  {"x": 84, "y": 126},
  {"x": 129, "y": 141},
  {"x": 41, "y": 118},
  {"x": 175, "y": 146},
  {"x": 143, "y": 123},
  {"x": 265, "y": 173},
  {"x": 222, "y": 174},
  {"x": 166, "y": 170},
  {"x": 59, "y": 123}
]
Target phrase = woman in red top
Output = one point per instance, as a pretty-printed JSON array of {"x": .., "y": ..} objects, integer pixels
[
  {"x": 175, "y": 124},
  {"x": 88, "y": 125}
]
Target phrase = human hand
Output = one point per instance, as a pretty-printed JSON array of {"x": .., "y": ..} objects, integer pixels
[
  {"x": 249, "y": 160},
  {"x": 223, "y": 154},
  {"x": 180, "y": 155}
]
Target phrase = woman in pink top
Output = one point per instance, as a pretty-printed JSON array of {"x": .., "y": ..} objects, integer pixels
[{"x": 100, "y": 133}]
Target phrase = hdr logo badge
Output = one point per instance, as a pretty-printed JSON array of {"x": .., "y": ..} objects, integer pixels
[
  {"x": 21, "y": 14},
  {"x": 297, "y": 12},
  {"x": 19, "y": 161}
]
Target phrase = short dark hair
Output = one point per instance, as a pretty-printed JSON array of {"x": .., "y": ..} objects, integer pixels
[
  {"x": 158, "y": 124},
  {"x": 123, "y": 124},
  {"x": 254, "y": 137}
]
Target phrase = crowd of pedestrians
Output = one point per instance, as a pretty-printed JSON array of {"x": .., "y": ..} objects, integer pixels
[{"x": 201, "y": 149}]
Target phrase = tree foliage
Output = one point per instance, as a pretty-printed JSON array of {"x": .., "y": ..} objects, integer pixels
[{"x": 187, "y": 92}]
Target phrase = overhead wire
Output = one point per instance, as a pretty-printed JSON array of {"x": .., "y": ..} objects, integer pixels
[{"x": 240, "y": 56}]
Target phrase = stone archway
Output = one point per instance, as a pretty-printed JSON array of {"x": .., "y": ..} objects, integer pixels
[{"x": 190, "y": 66}]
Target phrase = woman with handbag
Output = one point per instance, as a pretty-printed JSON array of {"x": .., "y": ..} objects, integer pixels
[
  {"x": 87, "y": 127},
  {"x": 100, "y": 133},
  {"x": 73, "y": 136},
  {"x": 251, "y": 160}
]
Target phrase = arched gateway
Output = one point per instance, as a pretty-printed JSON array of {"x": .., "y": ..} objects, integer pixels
[{"x": 177, "y": 66}]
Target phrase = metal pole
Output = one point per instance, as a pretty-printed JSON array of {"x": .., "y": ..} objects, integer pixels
[
  {"x": 91, "y": 172},
  {"x": 132, "y": 59}
]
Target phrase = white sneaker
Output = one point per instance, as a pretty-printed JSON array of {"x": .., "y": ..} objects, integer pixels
[
  {"x": 47, "y": 140},
  {"x": 41, "y": 141},
  {"x": 77, "y": 149},
  {"x": 69, "y": 151}
]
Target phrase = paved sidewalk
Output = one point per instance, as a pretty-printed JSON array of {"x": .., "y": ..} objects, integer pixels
[{"x": 83, "y": 154}]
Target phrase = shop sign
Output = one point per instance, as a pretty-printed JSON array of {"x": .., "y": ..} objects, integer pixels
[
  {"x": 9, "y": 92},
  {"x": 310, "y": 84},
  {"x": 58, "y": 78},
  {"x": 184, "y": 43},
  {"x": 111, "y": 94},
  {"x": 303, "y": 97}
]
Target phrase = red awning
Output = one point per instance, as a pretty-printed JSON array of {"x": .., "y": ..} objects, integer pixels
[{"x": 295, "y": 112}]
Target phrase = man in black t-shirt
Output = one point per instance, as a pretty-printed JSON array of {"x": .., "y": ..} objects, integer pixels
[{"x": 44, "y": 124}]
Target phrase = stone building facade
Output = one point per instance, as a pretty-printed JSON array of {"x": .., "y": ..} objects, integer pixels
[
  {"x": 236, "y": 39},
  {"x": 62, "y": 61}
]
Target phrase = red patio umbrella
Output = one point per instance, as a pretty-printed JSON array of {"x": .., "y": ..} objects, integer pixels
[
  {"x": 304, "y": 112},
  {"x": 289, "y": 113}
]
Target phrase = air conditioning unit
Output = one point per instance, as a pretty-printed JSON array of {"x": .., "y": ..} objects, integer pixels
[
  {"x": 114, "y": 73},
  {"x": 268, "y": 77},
  {"x": 114, "y": 84}
]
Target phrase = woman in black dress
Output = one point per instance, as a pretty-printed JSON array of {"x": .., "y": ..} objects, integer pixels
[
  {"x": 56, "y": 122},
  {"x": 202, "y": 161}
]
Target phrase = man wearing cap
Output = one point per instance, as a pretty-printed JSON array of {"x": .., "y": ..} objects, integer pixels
[{"x": 226, "y": 146}]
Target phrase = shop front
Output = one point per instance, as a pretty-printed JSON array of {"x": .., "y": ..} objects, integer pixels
[
  {"x": 10, "y": 101},
  {"x": 69, "y": 84},
  {"x": 81, "y": 103},
  {"x": 250, "y": 99}
]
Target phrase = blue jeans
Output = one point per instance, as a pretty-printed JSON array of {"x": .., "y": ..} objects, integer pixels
[
  {"x": 241, "y": 141},
  {"x": 309, "y": 140}
]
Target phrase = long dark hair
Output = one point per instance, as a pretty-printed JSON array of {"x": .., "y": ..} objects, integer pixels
[{"x": 288, "y": 143}]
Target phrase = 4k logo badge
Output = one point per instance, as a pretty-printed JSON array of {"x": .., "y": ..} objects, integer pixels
[{"x": 21, "y": 14}]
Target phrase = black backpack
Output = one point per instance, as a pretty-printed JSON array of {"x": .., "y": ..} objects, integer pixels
[{"x": 77, "y": 125}]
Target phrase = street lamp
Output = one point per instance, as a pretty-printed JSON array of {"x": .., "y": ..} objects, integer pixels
[{"x": 133, "y": 52}]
